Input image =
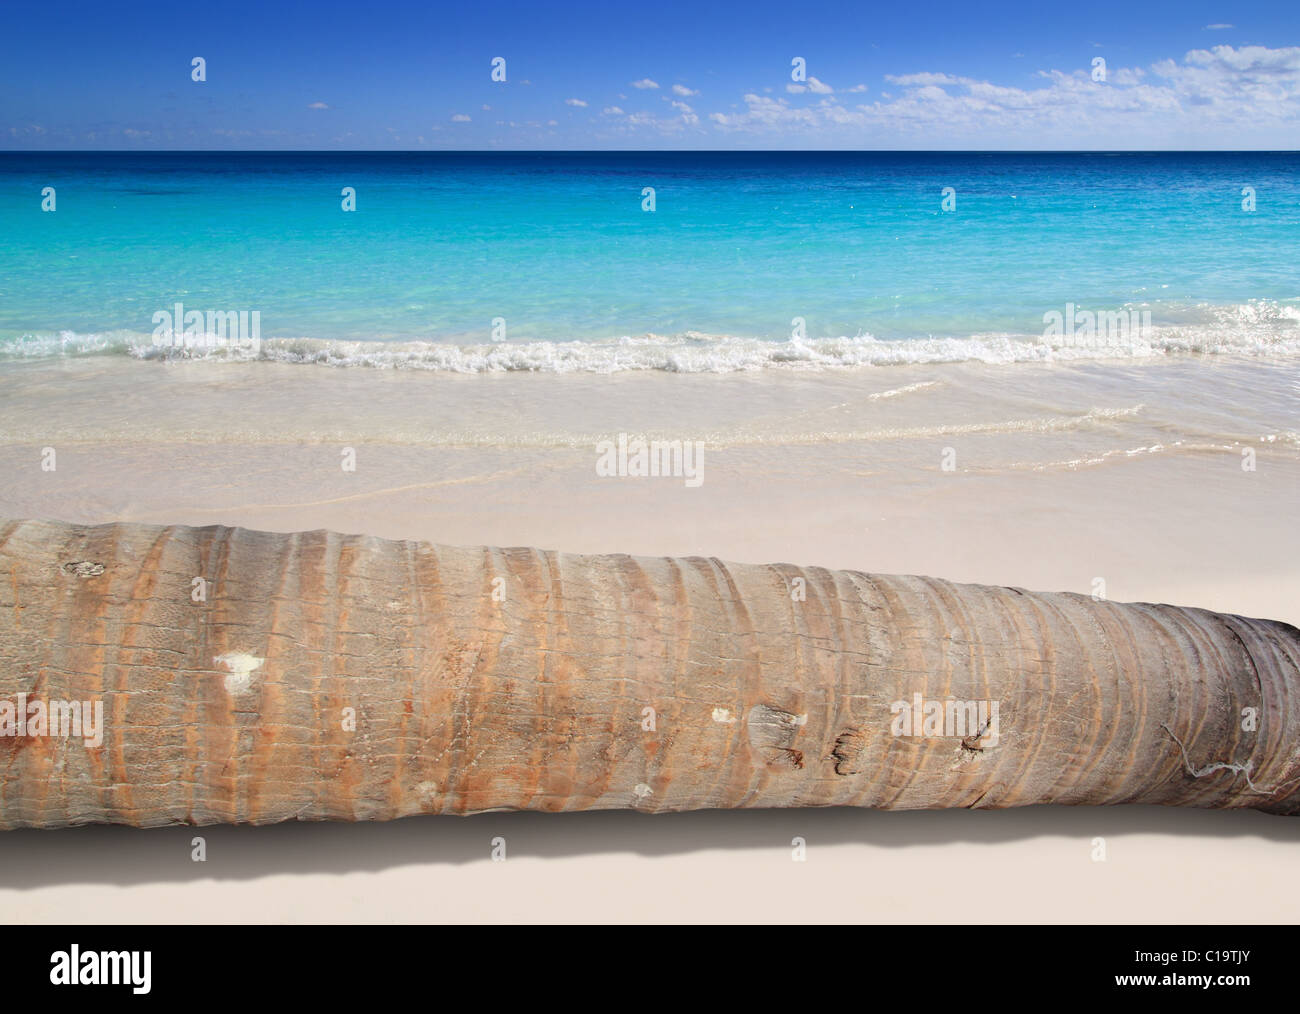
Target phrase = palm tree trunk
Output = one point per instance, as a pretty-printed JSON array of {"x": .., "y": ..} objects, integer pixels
[{"x": 254, "y": 677}]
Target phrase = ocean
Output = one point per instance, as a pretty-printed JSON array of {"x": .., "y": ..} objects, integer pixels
[{"x": 680, "y": 262}]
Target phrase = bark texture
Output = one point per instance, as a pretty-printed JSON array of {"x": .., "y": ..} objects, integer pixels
[{"x": 325, "y": 676}]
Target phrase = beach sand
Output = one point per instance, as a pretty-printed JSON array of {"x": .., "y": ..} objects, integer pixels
[{"x": 1167, "y": 481}]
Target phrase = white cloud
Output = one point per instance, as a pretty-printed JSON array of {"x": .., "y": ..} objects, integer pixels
[
  {"x": 688, "y": 114},
  {"x": 575, "y": 102},
  {"x": 645, "y": 83},
  {"x": 1218, "y": 27},
  {"x": 683, "y": 91},
  {"x": 1252, "y": 82},
  {"x": 813, "y": 85},
  {"x": 1216, "y": 98},
  {"x": 856, "y": 88},
  {"x": 924, "y": 78},
  {"x": 460, "y": 118},
  {"x": 612, "y": 111},
  {"x": 317, "y": 105},
  {"x": 639, "y": 122}
]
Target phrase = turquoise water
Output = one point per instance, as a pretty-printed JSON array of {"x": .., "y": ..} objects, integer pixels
[{"x": 558, "y": 246}]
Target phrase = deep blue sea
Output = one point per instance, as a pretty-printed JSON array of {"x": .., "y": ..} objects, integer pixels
[{"x": 475, "y": 261}]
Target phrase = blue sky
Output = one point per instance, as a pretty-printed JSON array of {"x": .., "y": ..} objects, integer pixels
[{"x": 608, "y": 75}]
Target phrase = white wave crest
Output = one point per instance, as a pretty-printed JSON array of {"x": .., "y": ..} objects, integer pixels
[{"x": 1259, "y": 328}]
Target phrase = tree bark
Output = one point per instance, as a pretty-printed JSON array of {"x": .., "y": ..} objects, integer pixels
[{"x": 323, "y": 676}]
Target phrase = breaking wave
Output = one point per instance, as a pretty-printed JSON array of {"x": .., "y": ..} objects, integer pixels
[{"x": 1261, "y": 328}]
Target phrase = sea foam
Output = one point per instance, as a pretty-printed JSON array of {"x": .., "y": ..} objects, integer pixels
[{"x": 1259, "y": 328}]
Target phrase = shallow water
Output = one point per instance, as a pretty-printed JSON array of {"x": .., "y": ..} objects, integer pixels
[{"x": 527, "y": 261}]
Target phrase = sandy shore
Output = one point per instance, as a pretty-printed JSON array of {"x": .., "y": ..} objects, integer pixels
[{"x": 1052, "y": 478}]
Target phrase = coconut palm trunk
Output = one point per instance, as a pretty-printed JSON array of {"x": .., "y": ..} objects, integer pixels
[{"x": 252, "y": 677}]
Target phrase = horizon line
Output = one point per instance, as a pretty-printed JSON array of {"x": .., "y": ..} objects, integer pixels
[{"x": 649, "y": 151}]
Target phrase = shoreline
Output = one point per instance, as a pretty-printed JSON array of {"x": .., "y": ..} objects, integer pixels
[{"x": 1259, "y": 329}]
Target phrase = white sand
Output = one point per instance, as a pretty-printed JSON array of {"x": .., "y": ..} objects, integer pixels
[{"x": 1063, "y": 475}]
